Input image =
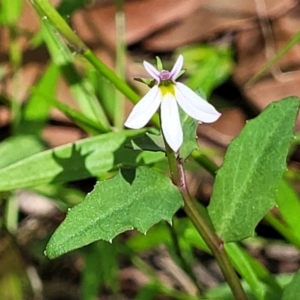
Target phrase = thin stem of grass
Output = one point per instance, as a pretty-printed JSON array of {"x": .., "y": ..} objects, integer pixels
[
  {"x": 290, "y": 44},
  {"x": 49, "y": 12},
  {"x": 120, "y": 61},
  {"x": 183, "y": 262},
  {"x": 205, "y": 162},
  {"x": 283, "y": 229}
]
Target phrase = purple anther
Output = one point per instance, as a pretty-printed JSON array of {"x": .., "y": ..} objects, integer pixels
[{"x": 164, "y": 75}]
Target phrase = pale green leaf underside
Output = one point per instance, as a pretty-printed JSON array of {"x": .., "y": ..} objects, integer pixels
[
  {"x": 86, "y": 158},
  {"x": 135, "y": 198},
  {"x": 292, "y": 289},
  {"x": 254, "y": 163}
]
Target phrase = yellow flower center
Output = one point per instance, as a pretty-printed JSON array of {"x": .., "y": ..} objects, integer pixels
[{"x": 166, "y": 88}]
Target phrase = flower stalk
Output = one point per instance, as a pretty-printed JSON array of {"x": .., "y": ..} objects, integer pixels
[
  {"x": 164, "y": 96},
  {"x": 214, "y": 243}
]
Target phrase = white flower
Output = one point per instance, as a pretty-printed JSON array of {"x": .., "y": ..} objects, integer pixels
[{"x": 167, "y": 93}]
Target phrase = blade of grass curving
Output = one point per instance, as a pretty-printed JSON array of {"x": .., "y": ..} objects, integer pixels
[
  {"x": 47, "y": 12},
  {"x": 287, "y": 47},
  {"x": 259, "y": 279},
  {"x": 80, "y": 87},
  {"x": 120, "y": 61},
  {"x": 76, "y": 116},
  {"x": 10, "y": 12},
  {"x": 289, "y": 206},
  {"x": 36, "y": 110},
  {"x": 283, "y": 229}
]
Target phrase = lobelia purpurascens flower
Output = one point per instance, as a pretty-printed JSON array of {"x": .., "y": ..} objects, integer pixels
[{"x": 167, "y": 94}]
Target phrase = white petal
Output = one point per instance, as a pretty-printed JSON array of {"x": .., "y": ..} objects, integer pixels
[
  {"x": 152, "y": 71},
  {"x": 176, "y": 68},
  {"x": 170, "y": 122},
  {"x": 144, "y": 109},
  {"x": 194, "y": 105}
]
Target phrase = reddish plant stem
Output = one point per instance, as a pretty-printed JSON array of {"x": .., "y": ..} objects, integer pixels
[{"x": 214, "y": 243}]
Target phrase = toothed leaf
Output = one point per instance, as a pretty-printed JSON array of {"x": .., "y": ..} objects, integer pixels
[{"x": 135, "y": 198}]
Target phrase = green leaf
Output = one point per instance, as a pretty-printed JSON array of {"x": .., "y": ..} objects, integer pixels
[
  {"x": 245, "y": 185},
  {"x": 287, "y": 224},
  {"x": 100, "y": 268},
  {"x": 156, "y": 236},
  {"x": 28, "y": 143},
  {"x": 253, "y": 273},
  {"x": 76, "y": 116},
  {"x": 159, "y": 64},
  {"x": 37, "y": 108},
  {"x": 149, "y": 142},
  {"x": 135, "y": 198},
  {"x": 282, "y": 228},
  {"x": 10, "y": 11},
  {"x": 86, "y": 158},
  {"x": 292, "y": 289},
  {"x": 67, "y": 7},
  {"x": 104, "y": 90},
  {"x": 147, "y": 292},
  {"x": 289, "y": 207}
]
